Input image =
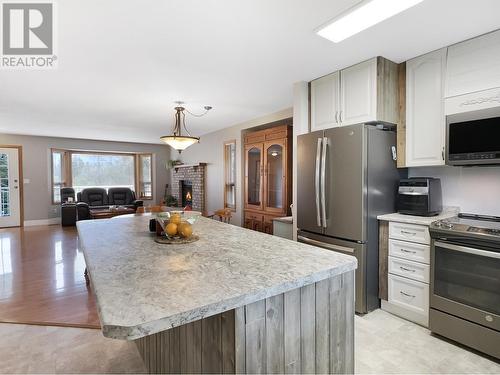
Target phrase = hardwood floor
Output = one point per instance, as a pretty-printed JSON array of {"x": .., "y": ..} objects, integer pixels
[{"x": 41, "y": 278}]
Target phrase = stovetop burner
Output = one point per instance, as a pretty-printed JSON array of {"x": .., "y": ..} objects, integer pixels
[{"x": 470, "y": 223}]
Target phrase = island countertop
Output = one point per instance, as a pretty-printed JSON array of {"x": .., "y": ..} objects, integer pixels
[{"x": 143, "y": 287}]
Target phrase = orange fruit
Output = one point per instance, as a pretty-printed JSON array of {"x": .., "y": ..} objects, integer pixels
[
  {"x": 185, "y": 230},
  {"x": 171, "y": 229},
  {"x": 175, "y": 219}
]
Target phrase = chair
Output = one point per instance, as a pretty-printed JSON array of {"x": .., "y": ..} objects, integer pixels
[
  {"x": 223, "y": 215},
  {"x": 120, "y": 196},
  {"x": 68, "y": 209}
]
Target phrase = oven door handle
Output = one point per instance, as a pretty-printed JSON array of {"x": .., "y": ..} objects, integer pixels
[{"x": 469, "y": 250}]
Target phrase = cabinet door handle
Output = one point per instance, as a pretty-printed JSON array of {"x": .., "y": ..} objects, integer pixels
[
  {"x": 408, "y": 251},
  {"x": 442, "y": 153},
  {"x": 406, "y": 269},
  {"x": 409, "y": 233},
  {"x": 340, "y": 116},
  {"x": 337, "y": 117},
  {"x": 406, "y": 294}
]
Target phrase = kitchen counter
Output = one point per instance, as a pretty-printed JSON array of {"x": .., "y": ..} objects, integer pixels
[
  {"x": 145, "y": 289},
  {"x": 420, "y": 220}
]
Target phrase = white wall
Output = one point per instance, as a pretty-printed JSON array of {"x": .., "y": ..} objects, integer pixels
[
  {"x": 210, "y": 150},
  {"x": 473, "y": 189}
]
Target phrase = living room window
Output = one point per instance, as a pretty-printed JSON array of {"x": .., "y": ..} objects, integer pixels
[
  {"x": 230, "y": 175},
  {"x": 84, "y": 169}
]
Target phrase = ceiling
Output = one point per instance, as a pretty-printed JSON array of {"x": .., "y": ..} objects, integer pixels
[{"x": 123, "y": 63}]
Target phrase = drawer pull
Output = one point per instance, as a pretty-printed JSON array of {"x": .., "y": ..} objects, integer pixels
[
  {"x": 406, "y": 269},
  {"x": 408, "y": 251},
  {"x": 406, "y": 294},
  {"x": 409, "y": 233}
]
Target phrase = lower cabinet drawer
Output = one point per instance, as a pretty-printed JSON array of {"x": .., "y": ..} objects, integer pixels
[
  {"x": 407, "y": 268},
  {"x": 409, "y": 294},
  {"x": 410, "y": 250},
  {"x": 409, "y": 232},
  {"x": 252, "y": 216}
]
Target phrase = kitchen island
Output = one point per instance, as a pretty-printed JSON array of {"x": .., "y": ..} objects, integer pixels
[{"x": 234, "y": 301}]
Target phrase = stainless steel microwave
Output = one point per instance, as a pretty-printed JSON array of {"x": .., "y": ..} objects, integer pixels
[{"x": 473, "y": 138}]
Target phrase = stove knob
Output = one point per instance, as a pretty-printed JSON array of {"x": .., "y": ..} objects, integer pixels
[
  {"x": 438, "y": 224},
  {"x": 449, "y": 225}
]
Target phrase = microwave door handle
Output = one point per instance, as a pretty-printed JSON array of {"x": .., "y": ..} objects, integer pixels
[
  {"x": 468, "y": 250},
  {"x": 317, "y": 181},
  {"x": 323, "y": 181}
]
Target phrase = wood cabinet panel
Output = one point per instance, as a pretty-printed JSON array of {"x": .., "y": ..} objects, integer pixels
[{"x": 268, "y": 165}]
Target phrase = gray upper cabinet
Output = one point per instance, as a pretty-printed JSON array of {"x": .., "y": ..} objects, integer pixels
[
  {"x": 361, "y": 93},
  {"x": 425, "y": 120}
]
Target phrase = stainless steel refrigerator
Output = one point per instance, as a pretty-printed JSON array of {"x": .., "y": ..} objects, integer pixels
[{"x": 346, "y": 177}]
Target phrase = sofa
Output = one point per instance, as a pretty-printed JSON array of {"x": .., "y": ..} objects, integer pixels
[{"x": 94, "y": 198}]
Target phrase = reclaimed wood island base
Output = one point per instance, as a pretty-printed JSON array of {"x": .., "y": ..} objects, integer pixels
[
  {"x": 306, "y": 330},
  {"x": 245, "y": 303}
]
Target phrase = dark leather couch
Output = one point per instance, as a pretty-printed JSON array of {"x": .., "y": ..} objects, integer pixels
[{"x": 98, "y": 198}]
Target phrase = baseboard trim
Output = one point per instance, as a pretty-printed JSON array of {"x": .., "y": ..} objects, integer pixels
[{"x": 32, "y": 223}]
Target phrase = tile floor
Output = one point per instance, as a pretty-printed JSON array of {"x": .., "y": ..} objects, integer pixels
[{"x": 384, "y": 344}]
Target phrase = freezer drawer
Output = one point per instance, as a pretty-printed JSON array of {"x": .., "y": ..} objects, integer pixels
[{"x": 350, "y": 248}]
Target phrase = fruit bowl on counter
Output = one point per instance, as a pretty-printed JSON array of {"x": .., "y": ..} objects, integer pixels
[{"x": 176, "y": 227}]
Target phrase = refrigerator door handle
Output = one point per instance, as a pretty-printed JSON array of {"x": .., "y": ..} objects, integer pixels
[
  {"x": 323, "y": 181},
  {"x": 317, "y": 181}
]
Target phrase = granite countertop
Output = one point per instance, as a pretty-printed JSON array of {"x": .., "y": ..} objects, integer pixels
[
  {"x": 142, "y": 287},
  {"x": 421, "y": 220}
]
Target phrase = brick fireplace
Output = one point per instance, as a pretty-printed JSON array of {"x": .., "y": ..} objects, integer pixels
[{"x": 190, "y": 178}]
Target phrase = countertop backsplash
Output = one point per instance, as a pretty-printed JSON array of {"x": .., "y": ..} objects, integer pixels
[{"x": 473, "y": 189}]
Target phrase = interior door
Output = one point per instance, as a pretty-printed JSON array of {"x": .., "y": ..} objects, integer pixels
[
  {"x": 274, "y": 176},
  {"x": 10, "y": 198},
  {"x": 308, "y": 194},
  {"x": 254, "y": 171},
  {"x": 344, "y": 177}
]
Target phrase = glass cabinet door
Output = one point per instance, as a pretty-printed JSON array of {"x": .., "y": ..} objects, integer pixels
[
  {"x": 254, "y": 175},
  {"x": 274, "y": 173}
]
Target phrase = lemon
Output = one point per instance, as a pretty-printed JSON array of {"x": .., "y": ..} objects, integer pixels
[
  {"x": 171, "y": 229},
  {"x": 175, "y": 219},
  {"x": 185, "y": 230}
]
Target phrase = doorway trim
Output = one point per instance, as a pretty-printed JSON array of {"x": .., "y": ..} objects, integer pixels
[{"x": 21, "y": 180}]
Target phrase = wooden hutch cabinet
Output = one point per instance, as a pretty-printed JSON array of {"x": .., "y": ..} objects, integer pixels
[{"x": 268, "y": 177}]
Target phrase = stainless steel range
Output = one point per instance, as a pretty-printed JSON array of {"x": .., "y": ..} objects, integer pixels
[{"x": 465, "y": 281}]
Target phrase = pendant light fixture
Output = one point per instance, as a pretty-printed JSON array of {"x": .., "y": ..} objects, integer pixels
[{"x": 177, "y": 140}]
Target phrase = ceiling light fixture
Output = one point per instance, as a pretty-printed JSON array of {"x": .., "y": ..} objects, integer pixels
[
  {"x": 177, "y": 140},
  {"x": 362, "y": 16}
]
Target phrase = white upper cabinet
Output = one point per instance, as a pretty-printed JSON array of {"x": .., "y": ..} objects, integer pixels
[
  {"x": 325, "y": 102},
  {"x": 425, "y": 120},
  {"x": 358, "y": 93},
  {"x": 362, "y": 93},
  {"x": 473, "y": 65}
]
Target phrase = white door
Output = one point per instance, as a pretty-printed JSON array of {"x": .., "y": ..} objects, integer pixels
[
  {"x": 325, "y": 102},
  {"x": 10, "y": 207},
  {"x": 358, "y": 93},
  {"x": 425, "y": 120}
]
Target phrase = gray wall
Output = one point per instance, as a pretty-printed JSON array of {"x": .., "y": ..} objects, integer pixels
[
  {"x": 211, "y": 150},
  {"x": 36, "y": 168}
]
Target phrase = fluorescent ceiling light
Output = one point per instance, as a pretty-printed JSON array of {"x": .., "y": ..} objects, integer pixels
[{"x": 362, "y": 16}]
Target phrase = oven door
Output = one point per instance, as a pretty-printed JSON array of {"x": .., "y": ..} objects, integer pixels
[{"x": 465, "y": 281}]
